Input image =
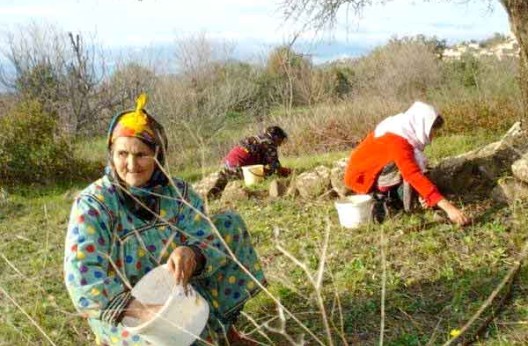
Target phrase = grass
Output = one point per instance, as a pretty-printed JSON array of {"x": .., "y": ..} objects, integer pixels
[
  {"x": 92, "y": 149},
  {"x": 457, "y": 144},
  {"x": 436, "y": 275},
  {"x": 33, "y": 229}
]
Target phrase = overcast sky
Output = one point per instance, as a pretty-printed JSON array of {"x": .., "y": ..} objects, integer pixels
[{"x": 255, "y": 25}]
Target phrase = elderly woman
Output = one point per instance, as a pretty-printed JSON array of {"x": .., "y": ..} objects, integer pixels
[
  {"x": 135, "y": 218},
  {"x": 390, "y": 161}
]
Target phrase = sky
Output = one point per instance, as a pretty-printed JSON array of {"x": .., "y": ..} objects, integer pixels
[{"x": 254, "y": 26}]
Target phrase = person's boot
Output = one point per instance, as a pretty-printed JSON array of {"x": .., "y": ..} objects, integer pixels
[
  {"x": 379, "y": 209},
  {"x": 216, "y": 191}
]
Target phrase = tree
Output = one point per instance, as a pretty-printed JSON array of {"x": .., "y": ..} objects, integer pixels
[
  {"x": 518, "y": 14},
  {"x": 209, "y": 85},
  {"x": 60, "y": 71},
  {"x": 287, "y": 67},
  {"x": 323, "y": 13},
  {"x": 130, "y": 79}
]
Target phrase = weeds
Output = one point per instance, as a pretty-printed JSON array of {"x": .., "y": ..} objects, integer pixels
[{"x": 419, "y": 299}]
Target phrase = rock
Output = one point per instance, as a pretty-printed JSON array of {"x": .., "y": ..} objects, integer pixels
[
  {"x": 235, "y": 191},
  {"x": 477, "y": 171},
  {"x": 510, "y": 190},
  {"x": 278, "y": 188},
  {"x": 211, "y": 186},
  {"x": 313, "y": 184},
  {"x": 336, "y": 178},
  {"x": 292, "y": 190},
  {"x": 520, "y": 169}
]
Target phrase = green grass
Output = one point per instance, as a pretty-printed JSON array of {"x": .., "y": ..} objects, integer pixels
[
  {"x": 33, "y": 229},
  {"x": 457, "y": 144},
  {"x": 437, "y": 275},
  {"x": 92, "y": 149},
  {"x": 307, "y": 162}
]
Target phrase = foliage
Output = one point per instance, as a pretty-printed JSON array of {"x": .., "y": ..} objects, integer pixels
[
  {"x": 214, "y": 100},
  {"x": 465, "y": 71},
  {"x": 343, "y": 81},
  {"x": 296, "y": 82},
  {"x": 40, "y": 83},
  {"x": 493, "y": 41},
  {"x": 62, "y": 71},
  {"x": 31, "y": 148},
  {"x": 128, "y": 81},
  {"x": 473, "y": 113},
  {"x": 405, "y": 68}
]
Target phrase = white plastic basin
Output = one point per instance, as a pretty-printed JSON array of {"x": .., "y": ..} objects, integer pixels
[
  {"x": 253, "y": 174},
  {"x": 181, "y": 319},
  {"x": 354, "y": 211}
]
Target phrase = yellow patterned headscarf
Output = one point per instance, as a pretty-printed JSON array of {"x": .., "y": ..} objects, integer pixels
[{"x": 135, "y": 123}]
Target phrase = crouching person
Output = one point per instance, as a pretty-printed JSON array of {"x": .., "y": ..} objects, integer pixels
[{"x": 390, "y": 162}]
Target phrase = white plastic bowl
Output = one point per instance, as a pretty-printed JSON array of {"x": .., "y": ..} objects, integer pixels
[
  {"x": 181, "y": 319},
  {"x": 354, "y": 211},
  {"x": 253, "y": 174}
]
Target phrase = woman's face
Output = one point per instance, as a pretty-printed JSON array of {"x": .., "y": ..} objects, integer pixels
[
  {"x": 133, "y": 160},
  {"x": 279, "y": 141},
  {"x": 432, "y": 134}
]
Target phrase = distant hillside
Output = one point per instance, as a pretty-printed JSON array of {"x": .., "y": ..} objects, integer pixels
[{"x": 500, "y": 46}]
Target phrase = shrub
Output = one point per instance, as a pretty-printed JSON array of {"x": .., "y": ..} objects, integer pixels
[
  {"x": 464, "y": 72},
  {"x": 494, "y": 115},
  {"x": 31, "y": 150},
  {"x": 333, "y": 127},
  {"x": 404, "y": 68}
]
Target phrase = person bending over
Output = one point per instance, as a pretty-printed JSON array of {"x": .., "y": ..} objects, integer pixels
[{"x": 390, "y": 162}]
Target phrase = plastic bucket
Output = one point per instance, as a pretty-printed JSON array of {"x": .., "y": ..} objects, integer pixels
[
  {"x": 182, "y": 318},
  {"x": 354, "y": 211},
  {"x": 253, "y": 174}
]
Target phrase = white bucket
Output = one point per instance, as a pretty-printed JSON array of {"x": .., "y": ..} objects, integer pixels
[
  {"x": 182, "y": 318},
  {"x": 253, "y": 174},
  {"x": 354, "y": 211}
]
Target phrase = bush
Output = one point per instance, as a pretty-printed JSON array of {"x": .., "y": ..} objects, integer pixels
[
  {"x": 404, "y": 68},
  {"x": 31, "y": 150},
  {"x": 333, "y": 127},
  {"x": 465, "y": 71},
  {"x": 466, "y": 115}
]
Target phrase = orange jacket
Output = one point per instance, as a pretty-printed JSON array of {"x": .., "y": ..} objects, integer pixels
[{"x": 372, "y": 154}]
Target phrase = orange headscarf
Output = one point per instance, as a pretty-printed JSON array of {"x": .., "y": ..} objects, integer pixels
[{"x": 135, "y": 123}]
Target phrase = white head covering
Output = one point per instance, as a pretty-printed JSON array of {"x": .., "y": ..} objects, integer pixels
[{"x": 414, "y": 125}]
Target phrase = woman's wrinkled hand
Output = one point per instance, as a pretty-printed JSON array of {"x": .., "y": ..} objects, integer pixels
[{"x": 182, "y": 264}]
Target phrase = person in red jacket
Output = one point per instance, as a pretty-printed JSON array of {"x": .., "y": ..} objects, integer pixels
[
  {"x": 260, "y": 149},
  {"x": 390, "y": 161}
]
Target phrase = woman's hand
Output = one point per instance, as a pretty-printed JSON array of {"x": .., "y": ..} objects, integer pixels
[
  {"x": 182, "y": 263},
  {"x": 284, "y": 171},
  {"x": 142, "y": 312},
  {"x": 453, "y": 213}
]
